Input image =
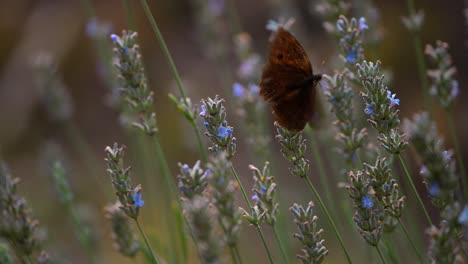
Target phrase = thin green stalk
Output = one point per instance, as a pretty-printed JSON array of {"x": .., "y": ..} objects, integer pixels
[
  {"x": 408, "y": 176},
  {"x": 280, "y": 245},
  {"x": 148, "y": 247},
  {"x": 129, "y": 15},
  {"x": 319, "y": 163},
  {"x": 380, "y": 253},
  {"x": 29, "y": 259},
  {"x": 420, "y": 59},
  {"x": 170, "y": 194},
  {"x": 461, "y": 165},
  {"x": 175, "y": 72},
  {"x": 246, "y": 198},
  {"x": 238, "y": 256},
  {"x": 390, "y": 251},
  {"x": 420, "y": 257},
  {"x": 233, "y": 255},
  {"x": 83, "y": 237},
  {"x": 330, "y": 220},
  {"x": 265, "y": 244}
]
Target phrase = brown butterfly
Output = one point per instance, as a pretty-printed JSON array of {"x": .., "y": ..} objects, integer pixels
[{"x": 288, "y": 82}]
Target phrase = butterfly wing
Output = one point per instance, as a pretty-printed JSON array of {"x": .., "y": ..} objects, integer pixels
[{"x": 288, "y": 82}]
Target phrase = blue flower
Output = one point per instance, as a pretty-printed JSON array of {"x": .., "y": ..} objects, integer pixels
[
  {"x": 186, "y": 168},
  {"x": 207, "y": 172},
  {"x": 206, "y": 124},
  {"x": 352, "y": 56},
  {"x": 463, "y": 218},
  {"x": 367, "y": 202},
  {"x": 114, "y": 38},
  {"x": 447, "y": 155},
  {"x": 455, "y": 89},
  {"x": 263, "y": 188},
  {"x": 362, "y": 24},
  {"x": 223, "y": 131},
  {"x": 254, "y": 88},
  {"x": 137, "y": 199},
  {"x": 255, "y": 197},
  {"x": 369, "y": 110},
  {"x": 238, "y": 90},
  {"x": 434, "y": 189},
  {"x": 203, "y": 110},
  {"x": 339, "y": 25},
  {"x": 387, "y": 186},
  {"x": 393, "y": 100}
]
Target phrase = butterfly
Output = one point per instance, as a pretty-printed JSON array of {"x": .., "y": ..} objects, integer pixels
[{"x": 288, "y": 82}]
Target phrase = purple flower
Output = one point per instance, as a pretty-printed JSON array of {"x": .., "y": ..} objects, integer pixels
[
  {"x": 255, "y": 197},
  {"x": 203, "y": 110},
  {"x": 362, "y": 24},
  {"x": 352, "y": 56},
  {"x": 434, "y": 189},
  {"x": 339, "y": 25},
  {"x": 138, "y": 201},
  {"x": 216, "y": 7},
  {"x": 224, "y": 131},
  {"x": 369, "y": 110},
  {"x": 455, "y": 89},
  {"x": 248, "y": 67},
  {"x": 238, "y": 90},
  {"x": 114, "y": 38},
  {"x": 393, "y": 100},
  {"x": 463, "y": 218},
  {"x": 186, "y": 168},
  {"x": 447, "y": 155},
  {"x": 263, "y": 188},
  {"x": 423, "y": 170},
  {"x": 254, "y": 88},
  {"x": 367, "y": 202}
]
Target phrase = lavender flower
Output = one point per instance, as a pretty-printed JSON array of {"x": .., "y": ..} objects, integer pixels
[
  {"x": 293, "y": 149},
  {"x": 135, "y": 94},
  {"x": 218, "y": 130},
  {"x": 192, "y": 181},
  {"x": 265, "y": 192},
  {"x": 350, "y": 35},
  {"x": 17, "y": 225},
  {"x": 123, "y": 236},
  {"x": 444, "y": 85},
  {"x": 129, "y": 196},
  {"x": 309, "y": 235},
  {"x": 331, "y": 10}
]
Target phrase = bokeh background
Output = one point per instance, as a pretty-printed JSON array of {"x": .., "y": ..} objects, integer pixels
[{"x": 62, "y": 29}]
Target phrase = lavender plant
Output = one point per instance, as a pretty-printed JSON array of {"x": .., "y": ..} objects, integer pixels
[
  {"x": 309, "y": 235},
  {"x": 17, "y": 225},
  {"x": 124, "y": 238}
]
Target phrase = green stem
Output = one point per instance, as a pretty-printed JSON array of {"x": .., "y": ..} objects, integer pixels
[
  {"x": 330, "y": 220},
  {"x": 408, "y": 176},
  {"x": 170, "y": 193},
  {"x": 265, "y": 244},
  {"x": 246, "y": 198},
  {"x": 319, "y": 163},
  {"x": 238, "y": 256},
  {"x": 461, "y": 165},
  {"x": 420, "y": 59},
  {"x": 390, "y": 251},
  {"x": 233, "y": 255},
  {"x": 129, "y": 15},
  {"x": 175, "y": 72},
  {"x": 421, "y": 260},
  {"x": 281, "y": 246},
  {"x": 380, "y": 253},
  {"x": 150, "y": 250},
  {"x": 82, "y": 233}
]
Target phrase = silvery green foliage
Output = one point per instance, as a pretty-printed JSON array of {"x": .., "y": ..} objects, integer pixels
[
  {"x": 185, "y": 106},
  {"x": 223, "y": 194},
  {"x": 199, "y": 217},
  {"x": 218, "y": 130},
  {"x": 293, "y": 149},
  {"x": 54, "y": 95},
  {"x": 137, "y": 98},
  {"x": 367, "y": 216},
  {"x": 444, "y": 246},
  {"x": 444, "y": 86},
  {"x": 265, "y": 192},
  {"x": 340, "y": 96},
  {"x": 192, "y": 181},
  {"x": 438, "y": 169},
  {"x": 128, "y": 196},
  {"x": 124, "y": 238},
  {"x": 380, "y": 106},
  {"x": 313, "y": 250},
  {"x": 386, "y": 192},
  {"x": 17, "y": 225}
]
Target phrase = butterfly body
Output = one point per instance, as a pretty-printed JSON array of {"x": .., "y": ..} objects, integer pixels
[{"x": 288, "y": 82}]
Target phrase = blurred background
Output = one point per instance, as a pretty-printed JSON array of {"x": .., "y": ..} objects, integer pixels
[{"x": 66, "y": 32}]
